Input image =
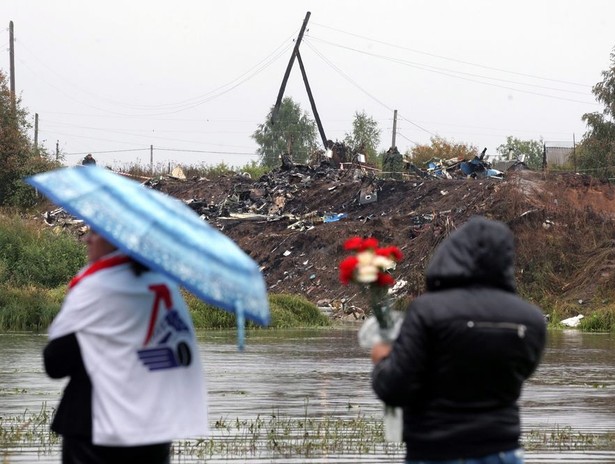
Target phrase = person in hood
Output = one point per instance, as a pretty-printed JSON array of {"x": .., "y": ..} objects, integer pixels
[
  {"x": 125, "y": 339},
  {"x": 464, "y": 350},
  {"x": 88, "y": 160}
]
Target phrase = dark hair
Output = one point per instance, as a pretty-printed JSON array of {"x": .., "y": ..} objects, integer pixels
[{"x": 138, "y": 268}]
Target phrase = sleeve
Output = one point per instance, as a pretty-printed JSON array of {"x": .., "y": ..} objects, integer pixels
[
  {"x": 62, "y": 357},
  {"x": 398, "y": 378}
]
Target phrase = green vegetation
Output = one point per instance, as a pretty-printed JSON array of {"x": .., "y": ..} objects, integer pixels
[
  {"x": 36, "y": 264},
  {"x": 596, "y": 153},
  {"x": 531, "y": 149},
  {"x": 293, "y": 132},
  {"x": 281, "y": 436},
  {"x": 365, "y": 137},
  {"x": 442, "y": 149},
  {"x": 287, "y": 311},
  {"x": 18, "y": 155},
  {"x": 207, "y": 171}
]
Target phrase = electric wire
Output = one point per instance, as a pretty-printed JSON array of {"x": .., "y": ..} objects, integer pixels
[
  {"x": 349, "y": 79},
  {"x": 459, "y": 75},
  {"x": 171, "y": 108},
  {"x": 450, "y": 59}
]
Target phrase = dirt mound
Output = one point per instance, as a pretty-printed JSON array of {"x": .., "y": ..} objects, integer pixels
[{"x": 293, "y": 222}]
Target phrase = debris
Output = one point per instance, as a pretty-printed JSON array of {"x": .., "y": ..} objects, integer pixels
[
  {"x": 572, "y": 321},
  {"x": 334, "y": 217},
  {"x": 178, "y": 173}
]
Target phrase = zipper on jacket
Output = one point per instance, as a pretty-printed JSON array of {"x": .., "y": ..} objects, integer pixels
[{"x": 519, "y": 328}]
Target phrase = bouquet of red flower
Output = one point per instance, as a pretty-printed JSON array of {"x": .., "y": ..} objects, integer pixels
[{"x": 369, "y": 267}]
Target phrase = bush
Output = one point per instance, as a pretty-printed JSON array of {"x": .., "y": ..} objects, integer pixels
[
  {"x": 31, "y": 256},
  {"x": 602, "y": 320},
  {"x": 286, "y": 311},
  {"x": 28, "y": 308}
]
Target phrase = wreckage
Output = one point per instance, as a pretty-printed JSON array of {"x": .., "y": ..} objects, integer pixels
[{"x": 294, "y": 219}]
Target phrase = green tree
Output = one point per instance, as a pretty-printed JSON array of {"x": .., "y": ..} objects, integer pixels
[
  {"x": 365, "y": 137},
  {"x": 17, "y": 155},
  {"x": 293, "y": 132},
  {"x": 531, "y": 149},
  {"x": 440, "y": 148},
  {"x": 597, "y": 148}
]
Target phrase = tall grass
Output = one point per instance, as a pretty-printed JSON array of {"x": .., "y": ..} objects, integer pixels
[
  {"x": 32, "y": 255},
  {"x": 287, "y": 311},
  {"x": 138, "y": 169},
  {"x": 37, "y": 262}
]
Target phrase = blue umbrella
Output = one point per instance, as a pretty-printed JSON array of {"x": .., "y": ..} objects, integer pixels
[{"x": 164, "y": 234}]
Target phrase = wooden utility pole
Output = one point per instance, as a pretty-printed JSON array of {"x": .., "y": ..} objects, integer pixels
[
  {"x": 57, "y": 150},
  {"x": 12, "y": 66},
  {"x": 36, "y": 133},
  {"x": 312, "y": 102},
  {"x": 151, "y": 159},
  {"x": 394, "y": 129},
  {"x": 276, "y": 108}
]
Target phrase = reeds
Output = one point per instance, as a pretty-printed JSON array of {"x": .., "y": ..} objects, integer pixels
[{"x": 277, "y": 436}]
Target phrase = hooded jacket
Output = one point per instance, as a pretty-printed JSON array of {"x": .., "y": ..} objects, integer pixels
[{"x": 464, "y": 350}]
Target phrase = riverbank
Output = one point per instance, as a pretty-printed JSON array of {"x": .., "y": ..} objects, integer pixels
[{"x": 36, "y": 263}]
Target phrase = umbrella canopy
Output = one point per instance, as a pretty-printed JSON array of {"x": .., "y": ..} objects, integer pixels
[{"x": 164, "y": 234}]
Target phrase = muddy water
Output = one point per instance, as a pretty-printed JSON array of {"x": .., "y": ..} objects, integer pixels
[{"x": 300, "y": 374}]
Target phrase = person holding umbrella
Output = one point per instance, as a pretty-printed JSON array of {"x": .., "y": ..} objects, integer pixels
[
  {"x": 125, "y": 339},
  {"x": 123, "y": 334}
]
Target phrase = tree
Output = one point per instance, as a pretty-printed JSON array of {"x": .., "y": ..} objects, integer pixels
[
  {"x": 531, "y": 149},
  {"x": 293, "y": 132},
  {"x": 597, "y": 148},
  {"x": 441, "y": 148},
  {"x": 17, "y": 155},
  {"x": 365, "y": 137}
]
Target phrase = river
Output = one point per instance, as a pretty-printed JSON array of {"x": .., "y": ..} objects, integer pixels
[{"x": 285, "y": 378}]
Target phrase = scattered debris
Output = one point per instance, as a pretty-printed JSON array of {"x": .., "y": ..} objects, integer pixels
[{"x": 572, "y": 321}]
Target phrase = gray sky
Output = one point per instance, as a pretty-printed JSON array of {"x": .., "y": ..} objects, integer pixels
[{"x": 195, "y": 78}]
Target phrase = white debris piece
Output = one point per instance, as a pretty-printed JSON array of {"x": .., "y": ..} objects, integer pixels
[{"x": 572, "y": 321}]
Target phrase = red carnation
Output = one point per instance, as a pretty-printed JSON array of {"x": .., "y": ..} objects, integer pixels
[
  {"x": 385, "y": 280},
  {"x": 353, "y": 243},
  {"x": 390, "y": 252},
  {"x": 347, "y": 268},
  {"x": 369, "y": 243}
]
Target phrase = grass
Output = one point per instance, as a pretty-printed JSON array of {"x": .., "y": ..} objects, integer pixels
[
  {"x": 277, "y": 436},
  {"x": 287, "y": 311},
  {"x": 36, "y": 264}
]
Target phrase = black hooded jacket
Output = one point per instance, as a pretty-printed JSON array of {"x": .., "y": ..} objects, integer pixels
[{"x": 465, "y": 348}]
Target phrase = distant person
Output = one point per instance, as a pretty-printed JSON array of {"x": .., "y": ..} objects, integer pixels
[
  {"x": 125, "y": 339},
  {"x": 88, "y": 160},
  {"x": 465, "y": 348}
]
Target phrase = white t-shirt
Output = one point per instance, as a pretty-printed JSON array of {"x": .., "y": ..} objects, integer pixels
[{"x": 140, "y": 351}]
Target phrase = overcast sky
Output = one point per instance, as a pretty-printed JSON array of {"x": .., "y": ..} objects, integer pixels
[{"x": 194, "y": 78}]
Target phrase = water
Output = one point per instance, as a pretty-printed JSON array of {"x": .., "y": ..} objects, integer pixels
[{"x": 324, "y": 373}]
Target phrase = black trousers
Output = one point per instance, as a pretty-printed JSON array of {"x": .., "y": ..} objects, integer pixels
[{"x": 82, "y": 451}]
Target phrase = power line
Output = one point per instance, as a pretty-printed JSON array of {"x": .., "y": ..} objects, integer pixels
[
  {"x": 171, "y": 108},
  {"x": 446, "y": 72},
  {"x": 450, "y": 59},
  {"x": 349, "y": 79}
]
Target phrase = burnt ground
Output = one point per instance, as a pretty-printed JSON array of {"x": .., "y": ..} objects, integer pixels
[{"x": 294, "y": 222}]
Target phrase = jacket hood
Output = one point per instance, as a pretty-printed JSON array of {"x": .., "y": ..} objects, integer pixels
[{"x": 479, "y": 252}]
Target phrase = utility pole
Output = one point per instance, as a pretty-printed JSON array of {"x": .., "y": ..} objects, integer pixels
[
  {"x": 151, "y": 159},
  {"x": 36, "y": 133},
  {"x": 394, "y": 128},
  {"x": 57, "y": 150},
  {"x": 312, "y": 102},
  {"x": 574, "y": 153},
  {"x": 12, "y": 66},
  {"x": 276, "y": 108}
]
